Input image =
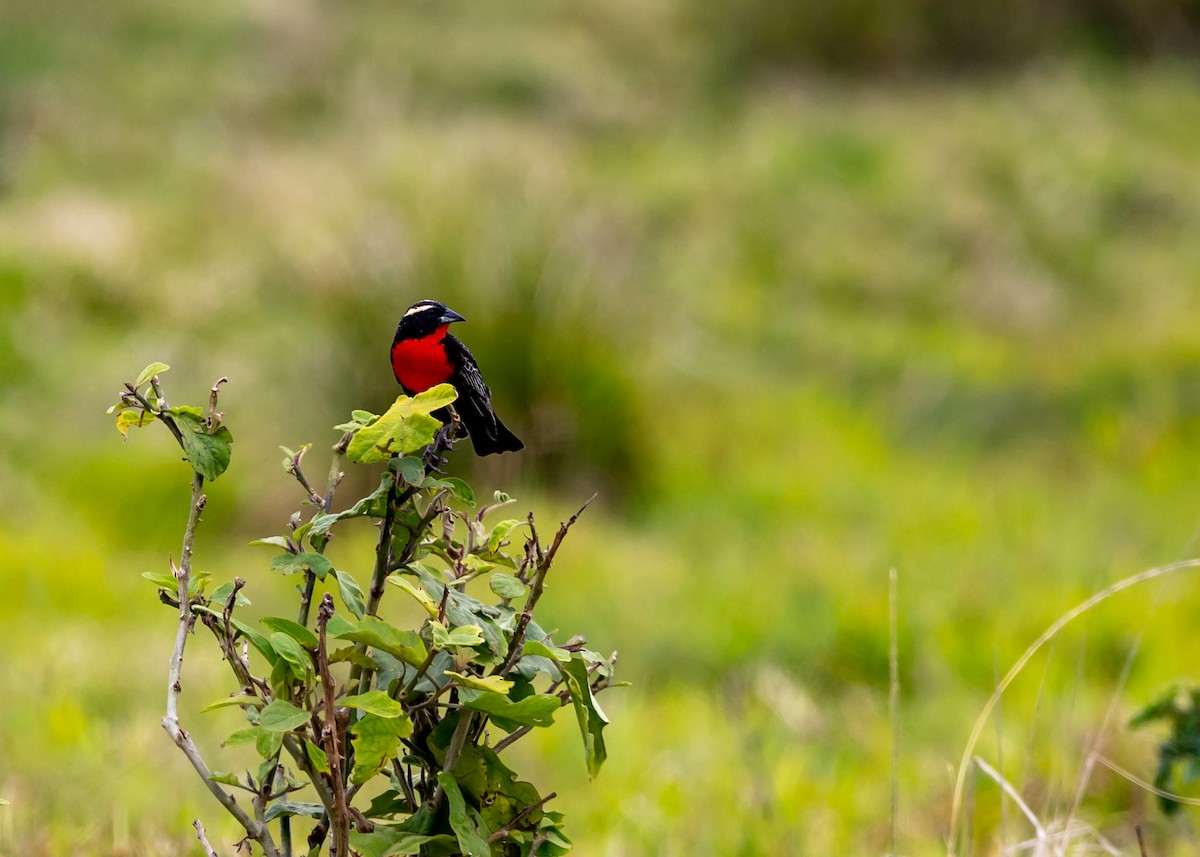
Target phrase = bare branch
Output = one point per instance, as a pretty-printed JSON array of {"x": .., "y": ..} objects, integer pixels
[
  {"x": 254, "y": 829},
  {"x": 544, "y": 561},
  {"x": 330, "y": 736},
  {"x": 508, "y": 828},
  {"x": 203, "y": 837}
]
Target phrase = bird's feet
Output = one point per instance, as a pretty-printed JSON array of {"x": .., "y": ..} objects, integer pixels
[{"x": 433, "y": 458}]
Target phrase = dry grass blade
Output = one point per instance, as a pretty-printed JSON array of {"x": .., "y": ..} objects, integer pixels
[{"x": 1048, "y": 634}]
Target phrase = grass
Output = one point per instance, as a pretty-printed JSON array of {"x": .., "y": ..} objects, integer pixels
[{"x": 797, "y": 336}]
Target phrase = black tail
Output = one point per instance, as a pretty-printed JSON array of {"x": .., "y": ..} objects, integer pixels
[{"x": 488, "y": 435}]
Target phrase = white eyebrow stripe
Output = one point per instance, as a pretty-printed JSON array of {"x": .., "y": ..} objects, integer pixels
[{"x": 418, "y": 308}]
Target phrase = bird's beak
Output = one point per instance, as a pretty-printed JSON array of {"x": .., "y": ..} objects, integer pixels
[{"x": 449, "y": 317}]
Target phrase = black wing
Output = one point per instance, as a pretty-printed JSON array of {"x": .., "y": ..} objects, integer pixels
[{"x": 474, "y": 404}]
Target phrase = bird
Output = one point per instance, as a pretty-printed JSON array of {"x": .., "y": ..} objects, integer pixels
[{"x": 424, "y": 355}]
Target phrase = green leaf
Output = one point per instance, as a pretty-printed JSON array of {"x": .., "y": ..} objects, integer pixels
[
  {"x": 532, "y": 647},
  {"x": 351, "y": 654},
  {"x": 373, "y": 505},
  {"x": 287, "y": 563},
  {"x": 227, "y": 778},
  {"x": 491, "y": 683},
  {"x": 208, "y": 454},
  {"x": 162, "y": 580},
  {"x": 457, "y": 488},
  {"x": 267, "y": 743},
  {"x": 272, "y": 541},
  {"x": 352, "y": 594},
  {"x": 373, "y": 631},
  {"x": 256, "y": 639},
  {"x": 358, "y": 419},
  {"x": 221, "y": 595},
  {"x": 465, "y": 821},
  {"x": 405, "y": 428},
  {"x": 242, "y": 736},
  {"x": 506, "y": 586},
  {"x": 592, "y": 719},
  {"x": 530, "y": 711},
  {"x": 463, "y": 635},
  {"x": 411, "y": 469},
  {"x": 282, "y": 716},
  {"x": 292, "y": 652},
  {"x": 376, "y": 739},
  {"x": 295, "y": 630},
  {"x": 133, "y": 417},
  {"x": 375, "y": 702},
  {"x": 149, "y": 372},
  {"x": 240, "y": 699},
  {"x": 506, "y": 796},
  {"x": 499, "y": 533},
  {"x": 416, "y": 592},
  {"x": 287, "y": 807},
  {"x": 317, "y": 757},
  {"x": 388, "y": 840}
]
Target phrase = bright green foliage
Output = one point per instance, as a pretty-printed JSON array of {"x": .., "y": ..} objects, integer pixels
[
  {"x": 346, "y": 699},
  {"x": 207, "y": 447},
  {"x": 591, "y": 719},
  {"x": 281, "y": 716},
  {"x": 405, "y": 428}
]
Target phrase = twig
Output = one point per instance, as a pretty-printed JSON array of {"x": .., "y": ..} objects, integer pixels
[
  {"x": 203, "y": 837},
  {"x": 537, "y": 843},
  {"x": 1141, "y": 841},
  {"x": 544, "y": 561},
  {"x": 330, "y": 735},
  {"x": 383, "y": 549},
  {"x": 335, "y": 468},
  {"x": 296, "y": 471},
  {"x": 508, "y": 828},
  {"x": 421, "y": 670},
  {"x": 512, "y": 738},
  {"x": 254, "y": 829},
  {"x": 457, "y": 740},
  {"x": 300, "y": 756}
]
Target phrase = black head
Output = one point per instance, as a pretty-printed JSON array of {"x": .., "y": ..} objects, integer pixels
[{"x": 423, "y": 318}]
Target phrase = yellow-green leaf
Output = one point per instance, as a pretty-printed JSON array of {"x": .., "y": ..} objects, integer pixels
[
  {"x": 491, "y": 683},
  {"x": 149, "y": 372},
  {"x": 406, "y": 427}
]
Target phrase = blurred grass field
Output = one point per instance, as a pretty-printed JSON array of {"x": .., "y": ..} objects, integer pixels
[{"x": 797, "y": 332}]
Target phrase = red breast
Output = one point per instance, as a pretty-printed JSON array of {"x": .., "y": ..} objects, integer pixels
[{"x": 422, "y": 363}]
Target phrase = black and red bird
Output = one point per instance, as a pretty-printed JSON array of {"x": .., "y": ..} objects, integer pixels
[{"x": 424, "y": 355}]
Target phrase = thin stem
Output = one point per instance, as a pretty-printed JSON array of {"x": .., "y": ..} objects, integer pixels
[
  {"x": 508, "y": 828},
  {"x": 383, "y": 549},
  {"x": 300, "y": 756},
  {"x": 421, "y": 670},
  {"x": 544, "y": 561},
  {"x": 254, "y": 829},
  {"x": 457, "y": 741},
  {"x": 340, "y": 820},
  {"x": 203, "y": 837}
]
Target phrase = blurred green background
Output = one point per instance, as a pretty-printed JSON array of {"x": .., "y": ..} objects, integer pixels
[{"x": 806, "y": 291}]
